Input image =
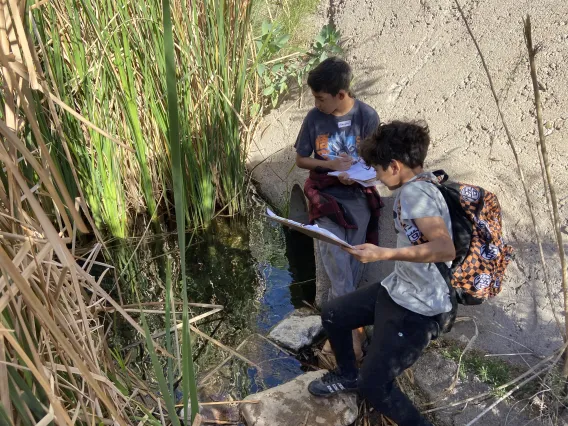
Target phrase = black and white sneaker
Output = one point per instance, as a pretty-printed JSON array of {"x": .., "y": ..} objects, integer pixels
[{"x": 331, "y": 383}]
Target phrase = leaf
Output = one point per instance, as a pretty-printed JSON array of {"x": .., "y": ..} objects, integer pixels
[
  {"x": 268, "y": 91},
  {"x": 266, "y": 27},
  {"x": 323, "y": 56},
  {"x": 282, "y": 40},
  {"x": 254, "y": 109},
  {"x": 276, "y": 68},
  {"x": 188, "y": 373},
  {"x": 166, "y": 396},
  {"x": 336, "y": 49},
  {"x": 260, "y": 68}
]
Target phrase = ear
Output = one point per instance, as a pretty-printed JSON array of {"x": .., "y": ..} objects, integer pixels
[
  {"x": 341, "y": 95},
  {"x": 395, "y": 166}
]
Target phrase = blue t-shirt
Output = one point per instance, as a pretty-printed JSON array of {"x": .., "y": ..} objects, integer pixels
[{"x": 327, "y": 135}]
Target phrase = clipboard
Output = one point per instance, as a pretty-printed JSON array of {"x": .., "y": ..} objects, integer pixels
[{"x": 312, "y": 231}]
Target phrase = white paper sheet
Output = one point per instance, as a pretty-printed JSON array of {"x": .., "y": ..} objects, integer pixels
[
  {"x": 359, "y": 172},
  {"x": 313, "y": 231}
]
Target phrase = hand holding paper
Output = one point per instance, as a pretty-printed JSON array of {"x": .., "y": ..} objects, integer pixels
[
  {"x": 358, "y": 172},
  {"x": 341, "y": 162}
]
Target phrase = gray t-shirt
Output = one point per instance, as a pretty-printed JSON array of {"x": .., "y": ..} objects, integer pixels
[
  {"x": 327, "y": 135},
  {"x": 418, "y": 287}
]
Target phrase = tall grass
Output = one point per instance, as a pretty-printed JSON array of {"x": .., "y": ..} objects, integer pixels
[
  {"x": 106, "y": 59},
  {"x": 54, "y": 363},
  {"x": 69, "y": 70},
  {"x": 176, "y": 148}
]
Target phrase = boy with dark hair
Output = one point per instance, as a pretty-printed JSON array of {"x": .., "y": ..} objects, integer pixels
[
  {"x": 410, "y": 306},
  {"x": 332, "y": 132}
]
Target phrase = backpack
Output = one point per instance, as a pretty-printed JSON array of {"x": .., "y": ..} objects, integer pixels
[{"x": 482, "y": 256}]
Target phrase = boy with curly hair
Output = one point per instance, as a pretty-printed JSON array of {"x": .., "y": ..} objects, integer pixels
[{"x": 410, "y": 306}]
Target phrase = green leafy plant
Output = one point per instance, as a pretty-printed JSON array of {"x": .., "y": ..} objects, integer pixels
[
  {"x": 325, "y": 45},
  {"x": 276, "y": 74}
]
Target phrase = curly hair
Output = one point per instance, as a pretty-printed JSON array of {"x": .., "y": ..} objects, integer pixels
[
  {"x": 330, "y": 76},
  {"x": 406, "y": 142}
]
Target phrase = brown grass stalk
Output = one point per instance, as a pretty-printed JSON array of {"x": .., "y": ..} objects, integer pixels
[
  {"x": 533, "y": 372},
  {"x": 56, "y": 337},
  {"x": 520, "y": 173},
  {"x": 541, "y": 144}
]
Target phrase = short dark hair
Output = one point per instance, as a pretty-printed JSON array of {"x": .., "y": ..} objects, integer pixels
[
  {"x": 406, "y": 142},
  {"x": 330, "y": 76}
]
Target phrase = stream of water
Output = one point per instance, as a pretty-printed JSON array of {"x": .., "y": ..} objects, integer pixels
[{"x": 257, "y": 270}]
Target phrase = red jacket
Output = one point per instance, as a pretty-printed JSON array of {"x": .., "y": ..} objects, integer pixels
[{"x": 322, "y": 204}]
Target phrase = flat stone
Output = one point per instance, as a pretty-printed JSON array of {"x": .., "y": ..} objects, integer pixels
[
  {"x": 296, "y": 332},
  {"x": 291, "y": 404}
]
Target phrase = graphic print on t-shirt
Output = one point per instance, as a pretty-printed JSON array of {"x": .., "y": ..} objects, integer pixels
[{"x": 338, "y": 143}]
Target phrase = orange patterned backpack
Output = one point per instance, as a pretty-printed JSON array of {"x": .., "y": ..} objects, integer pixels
[{"x": 482, "y": 256}]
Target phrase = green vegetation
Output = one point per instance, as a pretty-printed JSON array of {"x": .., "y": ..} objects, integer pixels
[
  {"x": 291, "y": 16},
  {"x": 491, "y": 370},
  {"x": 276, "y": 74},
  {"x": 117, "y": 111},
  {"x": 107, "y": 61}
]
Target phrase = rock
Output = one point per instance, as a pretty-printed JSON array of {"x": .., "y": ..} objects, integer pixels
[
  {"x": 433, "y": 374},
  {"x": 291, "y": 404},
  {"x": 296, "y": 332}
]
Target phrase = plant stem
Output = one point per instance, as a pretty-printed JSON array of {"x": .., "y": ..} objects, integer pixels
[
  {"x": 519, "y": 171},
  {"x": 541, "y": 143}
]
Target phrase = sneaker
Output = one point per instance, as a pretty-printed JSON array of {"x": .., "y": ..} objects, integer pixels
[{"x": 332, "y": 383}]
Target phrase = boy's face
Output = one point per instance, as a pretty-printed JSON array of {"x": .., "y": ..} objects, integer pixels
[
  {"x": 390, "y": 177},
  {"x": 327, "y": 103}
]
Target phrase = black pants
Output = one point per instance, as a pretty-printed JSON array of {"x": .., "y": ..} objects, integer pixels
[{"x": 400, "y": 336}]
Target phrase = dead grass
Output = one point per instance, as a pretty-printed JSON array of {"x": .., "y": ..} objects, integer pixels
[{"x": 55, "y": 364}]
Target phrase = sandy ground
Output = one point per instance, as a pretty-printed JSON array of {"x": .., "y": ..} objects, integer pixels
[{"x": 415, "y": 59}]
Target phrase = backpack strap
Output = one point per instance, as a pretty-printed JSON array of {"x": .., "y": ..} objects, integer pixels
[{"x": 446, "y": 319}]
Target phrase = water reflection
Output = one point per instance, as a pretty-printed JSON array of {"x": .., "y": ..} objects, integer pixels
[{"x": 255, "y": 269}]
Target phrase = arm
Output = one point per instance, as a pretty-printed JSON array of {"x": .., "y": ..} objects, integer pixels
[
  {"x": 309, "y": 163},
  {"x": 439, "y": 248}
]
